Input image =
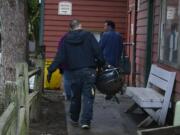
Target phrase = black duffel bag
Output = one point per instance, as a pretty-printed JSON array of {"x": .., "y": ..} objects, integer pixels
[{"x": 110, "y": 81}]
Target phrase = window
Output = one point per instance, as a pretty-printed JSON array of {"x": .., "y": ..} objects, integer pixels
[
  {"x": 138, "y": 5},
  {"x": 169, "y": 50}
]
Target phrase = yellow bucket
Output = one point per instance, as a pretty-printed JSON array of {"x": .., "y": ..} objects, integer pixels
[{"x": 56, "y": 79}]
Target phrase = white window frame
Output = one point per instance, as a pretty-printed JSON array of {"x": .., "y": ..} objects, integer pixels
[{"x": 163, "y": 16}]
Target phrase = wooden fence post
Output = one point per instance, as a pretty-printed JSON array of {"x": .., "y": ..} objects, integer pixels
[
  {"x": 8, "y": 120},
  {"x": 38, "y": 86},
  {"x": 23, "y": 91}
]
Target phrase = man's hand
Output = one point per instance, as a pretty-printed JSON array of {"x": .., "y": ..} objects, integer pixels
[
  {"x": 107, "y": 66},
  {"x": 61, "y": 71},
  {"x": 49, "y": 77}
]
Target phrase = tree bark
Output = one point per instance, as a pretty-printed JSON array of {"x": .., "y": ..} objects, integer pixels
[{"x": 14, "y": 38}]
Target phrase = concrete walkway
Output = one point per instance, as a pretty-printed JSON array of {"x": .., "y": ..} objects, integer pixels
[{"x": 109, "y": 118}]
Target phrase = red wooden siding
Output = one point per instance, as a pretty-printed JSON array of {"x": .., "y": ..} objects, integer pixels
[
  {"x": 92, "y": 14},
  {"x": 141, "y": 42}
]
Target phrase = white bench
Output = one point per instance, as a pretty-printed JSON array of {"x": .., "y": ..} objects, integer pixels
[{"x": 155, "y": 98}]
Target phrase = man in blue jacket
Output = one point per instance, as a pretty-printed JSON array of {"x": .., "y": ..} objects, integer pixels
[
  {"x": 111, "y": 43},
  {"x": 81, "y": 53}
]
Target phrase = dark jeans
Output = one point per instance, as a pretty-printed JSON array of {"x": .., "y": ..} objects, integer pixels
[
  {"x": 67, "y": 84},
  {"x": 82, "y": 84}
]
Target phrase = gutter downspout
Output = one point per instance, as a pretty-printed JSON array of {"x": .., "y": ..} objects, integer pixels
[
  {"x": 134, "y": 45},
  {"x": 148, "y": 59}
]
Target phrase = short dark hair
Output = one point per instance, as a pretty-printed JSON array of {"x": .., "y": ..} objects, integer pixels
[
  {"x": 74, "y": 23},
  {"x": 111, "y": 24}
]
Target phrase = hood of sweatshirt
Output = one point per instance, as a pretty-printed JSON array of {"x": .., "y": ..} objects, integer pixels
[{"x": 76, "y": 37}]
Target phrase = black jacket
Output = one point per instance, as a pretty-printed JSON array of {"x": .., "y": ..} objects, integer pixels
[{"x": 78, "y": 50}]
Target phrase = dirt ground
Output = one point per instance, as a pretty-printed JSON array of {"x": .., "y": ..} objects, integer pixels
[{"x": 52, "y": 115}]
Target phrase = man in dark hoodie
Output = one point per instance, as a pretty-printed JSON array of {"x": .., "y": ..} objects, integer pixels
[
  {"x": 81, "y": 53},
  {"x": 66, "y": 75}
]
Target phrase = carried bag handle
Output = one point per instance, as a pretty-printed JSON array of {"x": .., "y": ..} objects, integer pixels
[
  {"x": 123, "y": 52},
  {"x": 125, "y": 62}
]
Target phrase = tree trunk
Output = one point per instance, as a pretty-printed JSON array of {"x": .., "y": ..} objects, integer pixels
[{"x": 14, "y": 38}]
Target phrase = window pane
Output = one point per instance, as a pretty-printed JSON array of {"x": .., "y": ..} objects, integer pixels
[{"x": 169, "y": 49}]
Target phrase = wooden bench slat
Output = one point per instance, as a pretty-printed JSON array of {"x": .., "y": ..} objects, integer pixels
[
  {"x": 160, "y": 72},
  {"x": 145, "y": 97},
  {"x": 158, "y": 82}
]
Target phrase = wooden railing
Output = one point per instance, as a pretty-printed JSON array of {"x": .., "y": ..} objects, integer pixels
[{"x": 23, "y": 104}]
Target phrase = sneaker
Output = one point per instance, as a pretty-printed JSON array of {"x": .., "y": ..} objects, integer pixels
[
  {"x": 108, "y": 97},
  {"x": 85, "y": 126},
  {"x": 74, "y": 123}
]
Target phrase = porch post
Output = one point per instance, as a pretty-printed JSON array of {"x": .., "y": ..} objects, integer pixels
[{"x": 149, "y": 42}]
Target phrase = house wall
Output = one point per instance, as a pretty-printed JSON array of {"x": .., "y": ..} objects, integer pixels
[
  {"x": 141, "y": 38},
  {"x": 92, "y": 14}
]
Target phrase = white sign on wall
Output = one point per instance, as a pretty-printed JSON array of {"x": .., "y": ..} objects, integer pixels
[
  {"x": 65, "y": 8},
  {"x": 171, "y": 11},
  {"x": 132, "y": 29}
]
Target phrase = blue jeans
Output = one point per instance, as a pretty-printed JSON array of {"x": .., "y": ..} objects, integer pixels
[
  {"x": 67, "y": 84},
  {"x": 82, "y": 84}
]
